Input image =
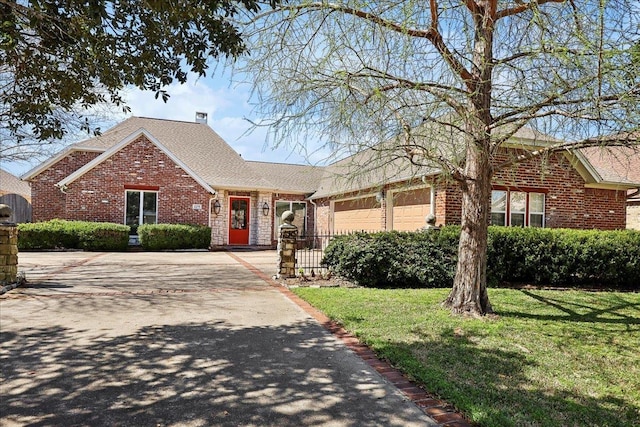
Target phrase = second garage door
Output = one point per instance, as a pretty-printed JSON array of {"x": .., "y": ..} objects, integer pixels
[{"x": 410, "y": 209}]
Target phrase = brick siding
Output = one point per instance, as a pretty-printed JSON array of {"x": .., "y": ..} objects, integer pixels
[
  {"x": 99, "y": 195},
  {"x": 47, "y": 201},
  {"x": 568, "y": 204}
]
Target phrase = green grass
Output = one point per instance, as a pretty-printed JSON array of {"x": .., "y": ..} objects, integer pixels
[{"x": 550, "y": 358}]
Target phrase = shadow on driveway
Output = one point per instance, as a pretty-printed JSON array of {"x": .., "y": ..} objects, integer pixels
[
  {"x": 180, "y": 339},
  {"x": 190, "y": 374}
]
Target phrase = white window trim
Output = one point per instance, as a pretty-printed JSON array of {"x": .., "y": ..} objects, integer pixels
[
  {"x": 306, "y": 213},
  {"x": 506, "y": 207},
  {"x": 544, "y": 207},
  {"x": 527, "y": 213},
  {"x": 141, "y": 211}
]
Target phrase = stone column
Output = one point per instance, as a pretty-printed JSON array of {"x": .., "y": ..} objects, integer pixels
[
  {"x": 8, "y": 247},
  {"x": 287, "y": 237}
]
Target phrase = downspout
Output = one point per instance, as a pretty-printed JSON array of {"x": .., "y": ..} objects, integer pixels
[
  {"x": 315, "y": 217},
  {"x": 432, "y": 201},
  {"x": 211, "y": 199}
]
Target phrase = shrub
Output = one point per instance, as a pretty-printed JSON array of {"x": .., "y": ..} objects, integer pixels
[
  {"x": 565, "y": 257},
  {"x": 61, "y": 234},
  {"x": 395, "y": 259},
  {"x": 515, "y": 255},
  {"x": 94, "y": 236},
  {"x": 156, "y": 237}
]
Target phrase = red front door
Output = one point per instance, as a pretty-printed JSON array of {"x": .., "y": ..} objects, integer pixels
[{"x": 238, "y": 221}]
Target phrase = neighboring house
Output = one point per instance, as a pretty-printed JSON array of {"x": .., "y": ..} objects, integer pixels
[
  {"x": 17, "y": 195},
  {"x": 163, "y": 171}
]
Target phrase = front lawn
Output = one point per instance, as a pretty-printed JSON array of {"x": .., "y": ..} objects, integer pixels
[{"x": 551, "y": 358}]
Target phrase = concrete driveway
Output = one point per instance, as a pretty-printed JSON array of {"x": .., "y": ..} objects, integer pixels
[{"x": 176, "y": 339}]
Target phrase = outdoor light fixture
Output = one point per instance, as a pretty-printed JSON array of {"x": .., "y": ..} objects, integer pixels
[
  {"x": 216, "y": 207},
  {"x": 265, "y": 209},
  {"x": 379, "y": 196}
]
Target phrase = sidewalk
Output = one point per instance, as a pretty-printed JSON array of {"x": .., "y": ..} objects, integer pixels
[{"x": 177, "y": 338}]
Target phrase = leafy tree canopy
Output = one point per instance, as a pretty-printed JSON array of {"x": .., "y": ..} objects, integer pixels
[{"x": 69, "y": 55}]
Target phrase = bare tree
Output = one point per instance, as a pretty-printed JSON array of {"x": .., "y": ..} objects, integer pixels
[{"x": 446, "y": 84}]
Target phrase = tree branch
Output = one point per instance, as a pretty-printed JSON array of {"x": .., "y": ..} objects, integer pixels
[
  {"x": 432, "y": 34},
  {"x": 523, "y": 7},
  {"x": 627, "y": 140},
  {"x": 554, "y": 101}
]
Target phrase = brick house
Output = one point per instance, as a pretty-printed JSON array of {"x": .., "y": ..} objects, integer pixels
[
  {"x": 619, "y": 164},
  {"x": 163, "y": 171},
  {"x": 147, "y": 170},
  {"x": 562, "y": 190}
]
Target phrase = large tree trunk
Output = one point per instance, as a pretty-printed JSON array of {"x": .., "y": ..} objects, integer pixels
[{"x": 469, "y": 293}]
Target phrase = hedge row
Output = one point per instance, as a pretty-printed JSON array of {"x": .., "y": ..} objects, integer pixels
[
  {"x": 156, "y": 237},
  {"x": 565, "y": 257},
  {"x": 61, "y": 234},
  {"x": 557, "y": 257}
]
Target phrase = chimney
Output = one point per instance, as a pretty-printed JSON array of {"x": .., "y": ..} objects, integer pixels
[{"x": 201, "y": 117}]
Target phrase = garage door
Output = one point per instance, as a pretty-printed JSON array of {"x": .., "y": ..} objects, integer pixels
[
  {"x": 357, "y": 214},
  {"x": 410, "y": 209}
]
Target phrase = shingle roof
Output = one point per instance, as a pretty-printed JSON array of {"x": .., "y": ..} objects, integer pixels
[
  {"x": 386, "y": 163},
  {"x": 195, "y": 144},
  {"x": 289, "y": 177},
  {"x": 208, "y": 156},
  {"x": 10, "y": 184},
  {"x": 367, "y": 170},
  {"x": 615, "y": 164}
]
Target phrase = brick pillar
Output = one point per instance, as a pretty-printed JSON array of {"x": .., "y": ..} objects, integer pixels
[
  {"x": 8, "y": 247},
  {"x": 287, "y": 237}
]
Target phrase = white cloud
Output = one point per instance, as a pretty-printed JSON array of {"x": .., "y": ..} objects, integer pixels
[
  {"x": 227, "y": 108},
  {"x": 186, "y": 99}
]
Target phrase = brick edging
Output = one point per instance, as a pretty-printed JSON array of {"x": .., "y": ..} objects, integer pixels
[{"x": 442, "y": 412}]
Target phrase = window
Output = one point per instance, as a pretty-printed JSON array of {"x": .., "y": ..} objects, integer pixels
[
  {"x": 239, "y": 208},
  {"x": 141, "y": 208},
  {"x": 536, "y": 209},
  {"x": 300, "y": 211},
  {"x": 517, "y": 208},
  {"x": 499, "y": 208}
]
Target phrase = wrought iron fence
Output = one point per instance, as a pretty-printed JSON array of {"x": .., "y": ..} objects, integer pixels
[{"x": 310, "y": 251}]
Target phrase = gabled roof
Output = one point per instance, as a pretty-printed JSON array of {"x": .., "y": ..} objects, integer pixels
[
  {"x": 369, "y": 169},
  {"x": 121, "y": 145},
  {"x": 194, "y": 145},
  {"x": 614, "y": 165},
  {"x": 386, "y": 163},
  {"x": 203, "y": 154},
  {"x": 11, "y": 184}
]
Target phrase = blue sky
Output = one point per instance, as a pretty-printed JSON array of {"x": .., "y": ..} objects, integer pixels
[{"x": 227, "y": 104}]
